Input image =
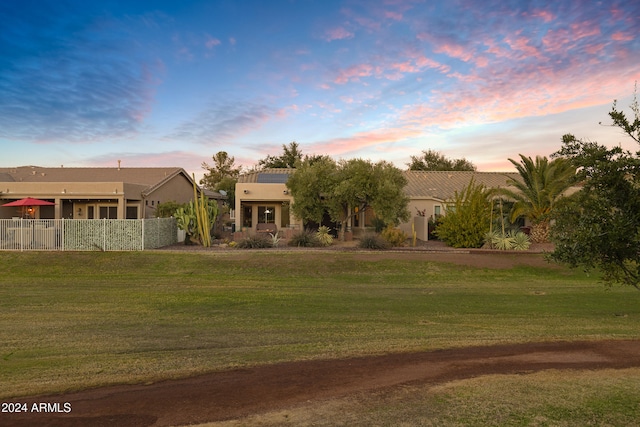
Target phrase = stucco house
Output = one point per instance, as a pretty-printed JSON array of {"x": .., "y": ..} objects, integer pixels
[
  {"x": 95, "y": 193},
  {"x": 429, "y": 192},
  {"x": 262, "y": 198}
]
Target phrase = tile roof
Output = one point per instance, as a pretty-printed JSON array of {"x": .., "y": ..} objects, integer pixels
[
  {"x": 140, "y": 176},
  {"x": 442, "y": 185}
]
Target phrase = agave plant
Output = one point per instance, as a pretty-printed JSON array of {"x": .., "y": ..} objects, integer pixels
[
  {"x": 504, "y": 242},
  {"x": 275, "y": 239},
  {"x": 521, "y": 241}
]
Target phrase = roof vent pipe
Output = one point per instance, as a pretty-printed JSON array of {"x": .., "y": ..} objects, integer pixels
[{"x": 118, "y": 164}]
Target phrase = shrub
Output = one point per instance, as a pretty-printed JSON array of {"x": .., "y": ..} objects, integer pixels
[
  {"x": 378, "y": 224},
  {"x": 324, "y": 237},
  {"x": 304, "y": 239},
  {"x": 394, "y": 236},
  {"x": 373, "y": 241},
  {"x": 467, "y": 219},
  {"x": 255, "y": 242}
]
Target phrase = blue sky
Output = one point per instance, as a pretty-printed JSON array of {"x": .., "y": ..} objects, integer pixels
[{"x": 170, "y": 83}]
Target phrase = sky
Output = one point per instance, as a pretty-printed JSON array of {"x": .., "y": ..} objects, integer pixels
[{"x": 170, "y": 83}]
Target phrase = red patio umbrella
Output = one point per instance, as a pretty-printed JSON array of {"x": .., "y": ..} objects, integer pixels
[{"x": 29, "y": 201}]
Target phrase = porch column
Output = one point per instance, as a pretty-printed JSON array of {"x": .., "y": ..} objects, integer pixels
[
  {"x": 121, "y": 208},
  {"x": 57, "y": 209}
]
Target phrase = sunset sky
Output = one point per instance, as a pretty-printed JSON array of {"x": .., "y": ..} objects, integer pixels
[{"x": 170, "y": 83}]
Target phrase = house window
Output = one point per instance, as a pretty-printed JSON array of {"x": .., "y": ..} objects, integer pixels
[
  {"x": 436, "y": 210},
  {"x": 132, "y": 212},
  {"x": 266, "y": 214},
  {"x": 246, "y": 217},
  {"x": 285, "y": 217},
  {"x": 108, "y": 212},
  {"x": 91, "y": 212}
]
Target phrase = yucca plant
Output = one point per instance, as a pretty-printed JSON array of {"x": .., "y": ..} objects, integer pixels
[{"x": 323, "y": 236}]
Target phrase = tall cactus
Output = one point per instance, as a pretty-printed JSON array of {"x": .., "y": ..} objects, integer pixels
[{"x": 206, "y": 213}]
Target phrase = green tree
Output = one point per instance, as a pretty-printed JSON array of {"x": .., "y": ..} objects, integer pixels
[
  {"x": 599, "y": 227},
  {"x": 431, "y": 160},
  {"x": 223, "y": 167},
  {"x": 291, "y": 156},
  {"x": 343, "y": 188},
  {"x": 167, "y": 209},
  {"x": 222, "y": 175},
  {"x": 467, "y": 218},
  {"x": 543, "y": 183}
]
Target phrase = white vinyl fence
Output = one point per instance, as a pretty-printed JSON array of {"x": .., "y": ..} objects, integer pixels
[{"x": 87, "y": 234}]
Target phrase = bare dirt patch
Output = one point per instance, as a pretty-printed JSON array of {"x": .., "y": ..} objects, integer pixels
[{"x": 239, "y": 393}]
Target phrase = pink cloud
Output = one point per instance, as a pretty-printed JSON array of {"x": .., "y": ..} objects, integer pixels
[
  {"x": 545, "y": 15},
  {"x": 212, "y": 42},
  {"x": 354, "y": 73},
  {"x": 360, "y": 140},
  {"x": 621, "y": 37},
  {"x": 338, "y": 33},
  {"x": 424, "y": 62},
  {"x": 545, "y": 92},
  {"x": 584, "y": 29},
  {"x": 393, "y": 15},
  {"x": 595, "y": 48},
  {"x": 369, "y": 24},
  {"x": 523, "y": 44},
  {"x": 454, "y": 51}
]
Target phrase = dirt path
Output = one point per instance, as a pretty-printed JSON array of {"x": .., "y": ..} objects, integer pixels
[{"x": 237, "y": 393}]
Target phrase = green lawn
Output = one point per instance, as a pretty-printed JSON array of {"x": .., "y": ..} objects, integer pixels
[{"x": 76, "y": 320}]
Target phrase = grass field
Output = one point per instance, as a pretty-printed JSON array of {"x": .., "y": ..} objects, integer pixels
[{"x": 75, "y": 320}]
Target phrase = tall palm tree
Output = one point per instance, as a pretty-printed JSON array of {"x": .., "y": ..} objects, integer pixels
[{"x": 543, "y": 182}]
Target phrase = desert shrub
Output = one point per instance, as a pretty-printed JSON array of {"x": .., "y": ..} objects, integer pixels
[
  {"x": 467, "y": 218},
  {"x": 255, "y": 242},
  {"x": 394, "y": 236},
  {"x": 324, "y": 237},
  {"x": 373, "y": 241},
  {"x": 304, "y": 239}
]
